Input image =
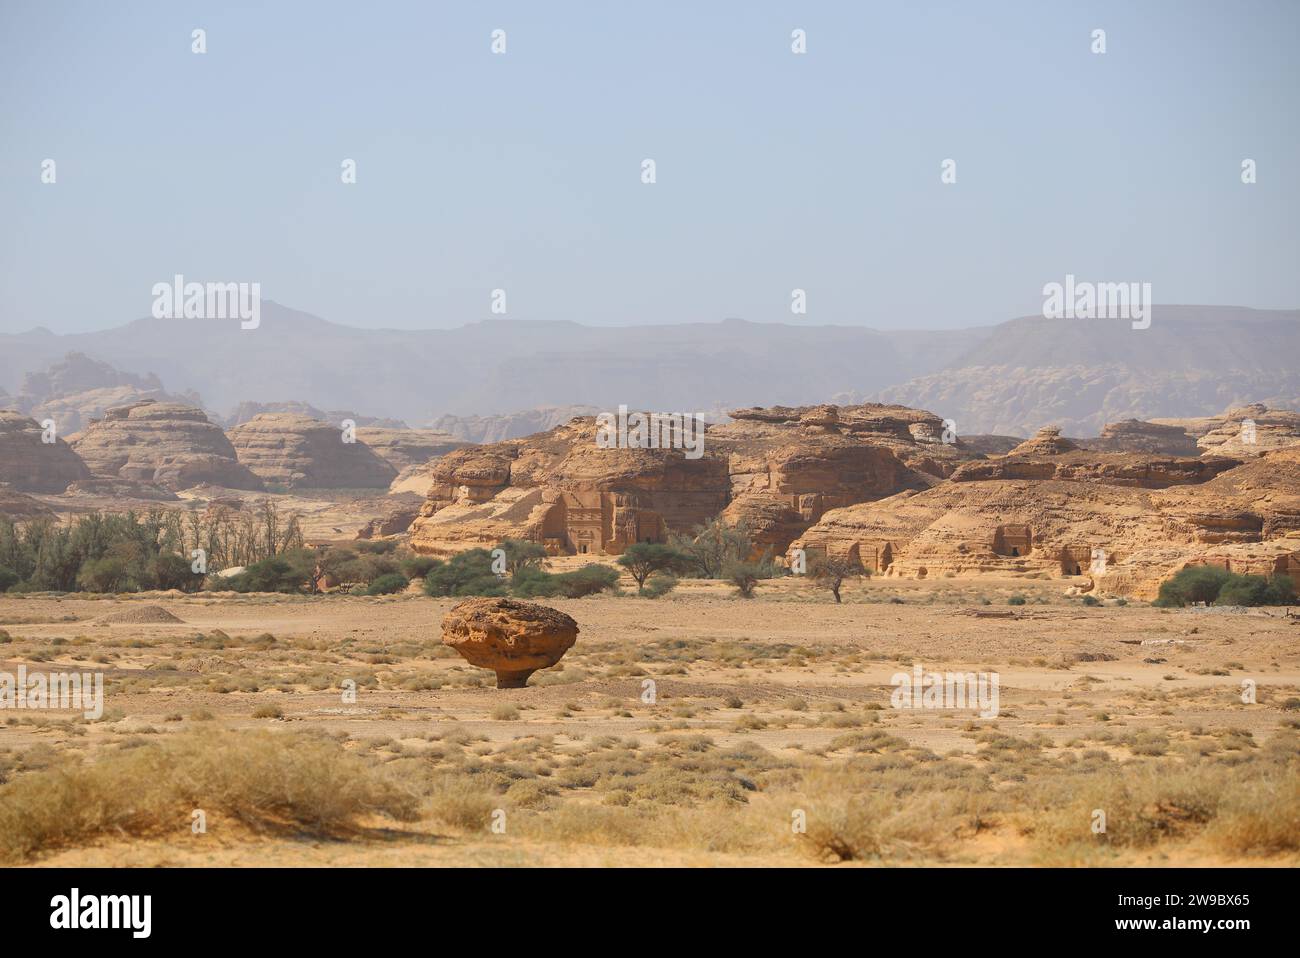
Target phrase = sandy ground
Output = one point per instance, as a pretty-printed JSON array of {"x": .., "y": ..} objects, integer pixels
[{"x": 741, "y": 672}]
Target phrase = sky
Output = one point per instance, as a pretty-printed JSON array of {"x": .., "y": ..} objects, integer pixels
[{"x": 522, "y": 171}]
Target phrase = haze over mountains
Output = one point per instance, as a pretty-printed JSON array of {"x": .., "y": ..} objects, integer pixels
[{"x": 1011, "y": 378}]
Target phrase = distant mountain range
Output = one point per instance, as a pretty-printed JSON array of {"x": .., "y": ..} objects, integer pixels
[{"x": 1010, "y": 378}]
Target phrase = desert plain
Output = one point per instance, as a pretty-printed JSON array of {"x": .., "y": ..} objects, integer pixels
[{"x": 699, "y": 728}]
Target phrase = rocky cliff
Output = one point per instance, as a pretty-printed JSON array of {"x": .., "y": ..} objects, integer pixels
[
  {"x": 168, "y": 444},
  {"x": 31, "y": 465},
  {"x": 284, "y": 449}
]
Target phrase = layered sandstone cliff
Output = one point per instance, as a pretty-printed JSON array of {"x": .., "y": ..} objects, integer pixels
[
  {"x": 29, "y": 463},
  {"x": 777, "y": 469},
  {"x": 1119, "y": 537},
  {"x": 167, "y": 444},
  {"x": 284, "y": 449}
]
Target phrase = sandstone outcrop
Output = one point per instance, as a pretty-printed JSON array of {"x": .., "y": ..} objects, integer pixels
[
  {"x": 1048, "y": 441},
  {"x": 402, "y": 448},
  {"x": 514, "y": 639},
  {"x": 168, "y": 444},
  {"x": 1125, "y": 538},
  {"x": 776, "y": 469},
  {"x": 29, "y": 464},
  {"x": 19, "y": 506},
  {"x": 1134, "y": 435},
  {"x": 1147, "y": 471},
  {"x": 284, "y": 449}
]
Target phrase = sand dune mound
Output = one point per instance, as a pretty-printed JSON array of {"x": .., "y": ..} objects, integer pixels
[{"x": 142, "y": 615}]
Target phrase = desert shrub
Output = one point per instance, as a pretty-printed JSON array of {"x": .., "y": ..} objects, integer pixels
[
  {"x": 460, "y": 802},
  {"x": 746, "y": 575},
  {"x": 659, "y": 585},
  {"x": 466, "y": 573},
  {"x": 376, "y": 547},
  {"x": 288, "y": 572},
  {"x": 1212, "y": 585},
  {"x": 268, "y": 711},
  {"x": 533, "y": 583},
  {"x": 388, "y": 584},
  {"x": 829, "y": 572},
  {"x": 1194, "y": 584},
  {"x": 109, "y": 574},
  {"x": 1257, "y": 590},
  {"x": 171, "y": 571},
  {"x": 1091, "y": 600},
  {"x": 588, "y": 580},
  {"x": 267, "y": 781},
  {"x": 8, "y": 577},
  {"x": 521, "y": 554},
  {"x": 417, "y": 567},
  {"x": 1016, "y": 600},
  {"x": 710, "y": 548}
]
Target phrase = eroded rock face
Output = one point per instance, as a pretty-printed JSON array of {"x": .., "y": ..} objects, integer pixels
[
  {"x": 512, "y": 638},
  {"x": 1048, "y": 441},
  {"x": 167, "y": 444},
  {"x": 1147, "y": 471},
  {"x": 1134, "y": 435},
  {"x": 298, "y": 452},
  {"x": 1123, "y": 537},
  {"x": 30, "y": 465},
  {"x": 779, "y": 470},
  {"x": 401, "y": 448},
  {"x": 19, "y": 506}
]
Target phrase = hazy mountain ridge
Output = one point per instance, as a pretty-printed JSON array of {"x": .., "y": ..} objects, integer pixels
[
  {"x": 1007, "y": 379},
  {"x": 1082, "y": 374}
]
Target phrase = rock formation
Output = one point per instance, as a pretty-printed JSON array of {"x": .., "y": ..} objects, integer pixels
[
  {"x": 489, "y": 429},
  {"x": 167, "y": 444},
  {"x": 1123, "y": 536},
  {"x": 777, "y": 469},
  {"x": 294, "y": 451},
  {"x": 402, "y": 448},
  {"x": 1245, "y": 431},
  {"x": 1134, "y": 435},
  {"x": 1048, "y": 441},
  {"x": 19, "y": 506},
  {"x": 512, "y": 638},
  {"x": 30, "y": 464}
]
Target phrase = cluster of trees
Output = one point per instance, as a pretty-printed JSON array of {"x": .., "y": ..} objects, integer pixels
[
  {"x": 96, "y": 553},
  {"x": 515, "y": 569},
  {"x": 132, "y": 552},
  {"x": 1215, "y": 586}
]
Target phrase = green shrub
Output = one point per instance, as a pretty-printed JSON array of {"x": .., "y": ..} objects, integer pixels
[
  {"x": 1256, "y": 590},
  {"x": 588, "y": 580},
  {"x": 1091, "y": 600},
  {"x": 417, "y": 567},
  {"x": 659, "y": 585},
  {"x": 8, "y": 577},
  {"x": 1212, "y": 585},
  {"x": 534, "y": 583},
  {"x": 1016, "y": 600},
  {"x": 289, "y": 572},
  {"x": 388, "y": 584},
  {"x": 464, "y": 574}
]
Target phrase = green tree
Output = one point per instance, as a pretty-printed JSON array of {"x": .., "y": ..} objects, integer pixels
[{"x": 644, "y": 559}]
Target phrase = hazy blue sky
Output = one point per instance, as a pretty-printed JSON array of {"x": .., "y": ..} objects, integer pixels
[{"x": 522, "y": 171}]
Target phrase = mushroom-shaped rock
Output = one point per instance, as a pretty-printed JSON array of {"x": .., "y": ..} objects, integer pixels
[{"x": 513, "y": 639}]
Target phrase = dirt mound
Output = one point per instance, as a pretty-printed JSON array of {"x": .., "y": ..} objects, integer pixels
[{"x": 139, "y": 616}]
